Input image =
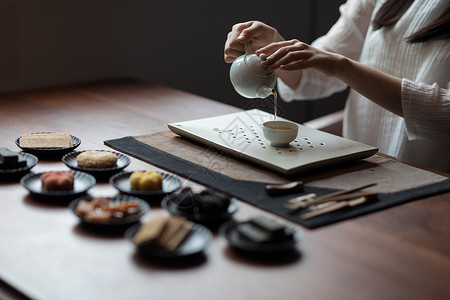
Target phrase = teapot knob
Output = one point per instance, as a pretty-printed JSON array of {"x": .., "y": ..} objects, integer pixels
[{"x": 248, "y": 48}]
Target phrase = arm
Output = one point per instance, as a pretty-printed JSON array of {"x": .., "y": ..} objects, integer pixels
[
  {"x": 425, "y": 107},
  {"x": 345, "y": 37},
  {"x": 381, "y": 88}
]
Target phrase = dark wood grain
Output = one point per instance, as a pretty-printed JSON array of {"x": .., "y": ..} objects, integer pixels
[{"x": 397, "y": 253}]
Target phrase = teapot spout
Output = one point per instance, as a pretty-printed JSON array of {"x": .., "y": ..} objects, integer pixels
[{"x": 264, "y": 91}]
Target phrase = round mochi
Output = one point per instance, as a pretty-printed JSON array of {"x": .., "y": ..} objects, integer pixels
[
  {"x": 57, "y": 181},
  {"x": 97, "y": 159}
]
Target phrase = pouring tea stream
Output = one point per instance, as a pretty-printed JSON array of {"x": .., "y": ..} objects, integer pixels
[{"x": 251, "y": 80}]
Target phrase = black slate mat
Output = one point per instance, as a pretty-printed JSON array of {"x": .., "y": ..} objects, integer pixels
[{"x": 254, "y": 192}]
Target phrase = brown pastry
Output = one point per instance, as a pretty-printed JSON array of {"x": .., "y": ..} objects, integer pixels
[
  {"x": 97, "y": 159},
  {"x": 168, "y": 232},
  {"x": 57, "y": 181}
]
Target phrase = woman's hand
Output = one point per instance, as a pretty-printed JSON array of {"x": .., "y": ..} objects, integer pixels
[
  {"x": 295, "y": 55},
  {"x": 255, "y": 33}
]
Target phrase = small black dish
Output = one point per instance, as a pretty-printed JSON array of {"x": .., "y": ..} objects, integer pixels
[
  {"x": 50, "y": 152},
  {"x": 170, "y": 184},
  {"x": 194, "y": 244},
  {"x": 17, "y": 173},
  {"x": 123, "y": 161},
  {"x": 212, "y": 221},
  {"x": 245, "y": 246},
  {"x": 33, "y": 183},
  {"x": 114, "y": 225}
]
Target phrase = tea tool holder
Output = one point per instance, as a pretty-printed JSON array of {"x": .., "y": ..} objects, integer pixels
[{"x": 241, "y": 134}]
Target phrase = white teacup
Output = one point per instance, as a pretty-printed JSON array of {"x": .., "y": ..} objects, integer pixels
[{"x": 280, "y": 133}]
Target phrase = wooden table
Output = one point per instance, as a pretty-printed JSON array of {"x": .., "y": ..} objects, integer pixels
[{"x": 397, "y": 253}]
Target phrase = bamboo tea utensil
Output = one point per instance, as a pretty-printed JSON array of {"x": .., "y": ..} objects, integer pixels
[
  {"x": 369, "y": 195},
  {"x": 329, "y": 197},
  {"x": 334, "y": 207},
  {"x": 300, "y": 199}
]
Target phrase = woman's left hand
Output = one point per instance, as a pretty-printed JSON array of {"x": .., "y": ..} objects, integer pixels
[{"x": 295, "y": 55}]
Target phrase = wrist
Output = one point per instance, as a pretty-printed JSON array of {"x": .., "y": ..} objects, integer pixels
[
  {"x": 341, "y": 67},
  {"x": 277, "y": 37},
  {"x": 290, "y": 78}
]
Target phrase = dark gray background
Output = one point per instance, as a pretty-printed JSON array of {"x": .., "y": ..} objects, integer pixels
[{"x": 177, "y": 43}]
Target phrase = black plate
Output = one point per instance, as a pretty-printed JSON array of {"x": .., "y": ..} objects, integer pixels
[
  {"x": 33, "y": 183},
  {"x": 123, "y": 161},
  {"x": 14, "y": 174},
  {"x": 115, "y": 223},
  {"x": 50, "y": 152},
  {"x": 228, "y": 230},
  {"x": 194, "y": 244},
  {"x": 170, "y": 184},
  {"x": 208, "y": 220}
]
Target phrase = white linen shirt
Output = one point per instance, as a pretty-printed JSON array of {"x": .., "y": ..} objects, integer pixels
[{"x": 422, "y": 136}]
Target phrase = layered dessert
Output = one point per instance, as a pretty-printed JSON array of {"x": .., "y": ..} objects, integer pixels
[{"x": 11, "y": 160}]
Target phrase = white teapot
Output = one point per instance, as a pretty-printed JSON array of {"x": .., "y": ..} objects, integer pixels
[{"x": 249, "y": 78}]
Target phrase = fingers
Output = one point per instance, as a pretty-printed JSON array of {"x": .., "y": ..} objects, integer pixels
[
  {"x": 255, "y": 33},
  {"x": 273, "y": 47},
  {"x": 297, "y": 65},
  {"x": 233, "y": 46},
  {"x": 251, "y": 30},
  {"x": 291, "y": 53},
  {"x": 230, "y": 55}
]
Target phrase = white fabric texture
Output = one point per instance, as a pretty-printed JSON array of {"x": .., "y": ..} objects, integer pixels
[{"x": 422, "y": 136}]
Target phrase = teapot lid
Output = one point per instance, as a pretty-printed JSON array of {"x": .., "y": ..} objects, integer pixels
[{"x": 253, "y": 62}]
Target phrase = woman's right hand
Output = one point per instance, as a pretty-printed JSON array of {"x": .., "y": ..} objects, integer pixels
[{"x": 255, "y": 33}]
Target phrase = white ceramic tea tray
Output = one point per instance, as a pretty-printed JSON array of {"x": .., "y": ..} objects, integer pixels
[{"x": 241, "y": 134}]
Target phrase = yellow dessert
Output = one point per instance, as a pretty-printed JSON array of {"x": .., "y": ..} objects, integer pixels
[{"x": 146, "y": 181}]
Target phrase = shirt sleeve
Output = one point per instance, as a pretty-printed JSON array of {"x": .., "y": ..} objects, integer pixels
[
  {"x": 345, "y": 37},
  {"x": 426, "y": 109}
]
